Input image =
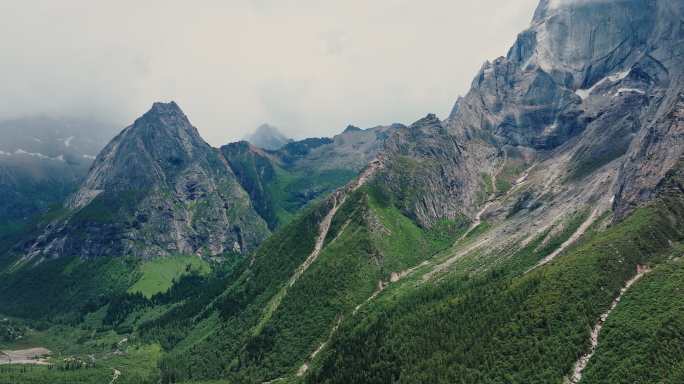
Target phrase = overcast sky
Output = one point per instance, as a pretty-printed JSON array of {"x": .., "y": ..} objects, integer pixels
[{"x": 309, "y": 67}]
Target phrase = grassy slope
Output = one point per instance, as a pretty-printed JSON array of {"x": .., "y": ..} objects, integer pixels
[
  {"x": 158, "y": 275},
  {"x": 497, "y": 328},
  {"x": 203, "y": 342}
]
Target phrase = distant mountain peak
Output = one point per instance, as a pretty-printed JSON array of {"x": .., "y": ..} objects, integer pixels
[
  {"x": 267, "y": 136},
  {"x": 352, "y": 128}
]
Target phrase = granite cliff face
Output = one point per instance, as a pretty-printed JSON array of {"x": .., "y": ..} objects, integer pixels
[
  {"x": 433, "y": 174},
  {"x": 591, "y": 88},
  {"x": 156, "y": 189}
]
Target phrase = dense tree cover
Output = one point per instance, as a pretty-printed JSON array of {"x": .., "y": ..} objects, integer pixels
[
  {"x": 499, "y": 328},
  {"x": 64, "y": 290},
  {"x": 237, "y": 303},
  {"x": 268, "y": 331},
  {"x": 643, "y": 339}
]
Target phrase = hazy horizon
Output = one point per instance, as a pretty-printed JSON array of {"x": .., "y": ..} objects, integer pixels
[{"x": 307, "y": 68}]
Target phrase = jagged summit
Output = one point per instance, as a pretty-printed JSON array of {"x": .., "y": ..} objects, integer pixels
[
  {"x": 166, "y": 108},
  {"x": 168, "y": 114},
  {"x": 430, "y": 118},
  {"x": 141, "y": 197},
  {"x": 149, "y": 151}
]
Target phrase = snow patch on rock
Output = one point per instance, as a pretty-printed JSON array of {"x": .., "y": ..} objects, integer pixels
[
  {"x": 629, "y": 90},
  {"x": 614, "y": 78}
]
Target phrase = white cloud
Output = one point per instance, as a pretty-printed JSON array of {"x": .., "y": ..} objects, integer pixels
[{"x": 309, "y": 67}]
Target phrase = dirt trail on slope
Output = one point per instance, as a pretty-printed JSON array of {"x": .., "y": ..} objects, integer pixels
[
  {"x": 305, "y": 367},
  {"x": 324, "y": 227},
  {"x": 573, "y": 238},
  {"x": 338, "y": 198},
  {"x": 583, "y": 361}
]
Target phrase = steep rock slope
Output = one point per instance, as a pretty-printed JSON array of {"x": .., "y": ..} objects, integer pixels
[{"x": 156, "y": 189}]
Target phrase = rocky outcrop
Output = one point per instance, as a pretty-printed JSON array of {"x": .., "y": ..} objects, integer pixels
[
  {"x": 591, "y": 92},
  {"x": 156, "y": 189},
  {"x": 433, "y": 175}
]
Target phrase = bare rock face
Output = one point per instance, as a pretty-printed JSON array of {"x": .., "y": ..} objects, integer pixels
[
  {"x": 433, "y": 175},
  {"x": 591, "y": 93},
  {"x": 156, "y": 189}
]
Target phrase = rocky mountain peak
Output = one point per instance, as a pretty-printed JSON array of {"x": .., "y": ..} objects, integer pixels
[
  {"x": 429, "y": 119},
  {"x": 351, "y": 128},
  {"x": 170, "y": 108},
  {"x": 157, "y": 189},
  {"x": 155, "y": 149},
  {"x": 166, "y": 121}
]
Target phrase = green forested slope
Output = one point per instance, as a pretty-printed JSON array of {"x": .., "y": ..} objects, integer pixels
[
  {"x": 643, "y": 339},
  {"x": 272, "y": 329},
  {"x": 496, "y": 329}
]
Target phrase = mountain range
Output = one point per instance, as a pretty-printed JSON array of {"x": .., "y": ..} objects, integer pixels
[{"x": 532, "y": 236}]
